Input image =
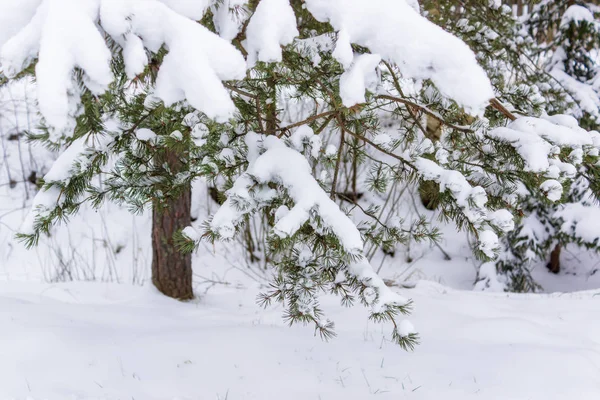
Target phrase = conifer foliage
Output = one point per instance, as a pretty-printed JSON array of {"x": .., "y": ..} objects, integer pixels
[
  {"x": 540, "y": 63},
  {"x": 307, "y": 115}
]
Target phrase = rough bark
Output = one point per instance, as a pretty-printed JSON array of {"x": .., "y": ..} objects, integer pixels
[
  {"x": 554, "y": 264},
  {"x": 171, "y": 269},
  {"x": 429, "y": 191}
]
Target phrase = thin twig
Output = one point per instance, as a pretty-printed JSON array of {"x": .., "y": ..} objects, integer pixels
[
  {"x": 239, "y": 91},
  {"x": 339, "y": 157},
  {"x": 426, "y": 111},
  {"x": 495, "y": 103},
  {"x": 306, "y": 121},
  {"x": 399, "y": 89}
]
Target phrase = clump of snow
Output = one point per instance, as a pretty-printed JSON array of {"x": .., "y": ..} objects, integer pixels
[
  {"x": 359, "y": 77},
  {"x": 576, "y": 13},
  {"x": 471, "y": 199},
  {"x": 191, "y": 233},
  {"x": 393, "y": 30},
  {"x": 552, "y": 189},
  {"x": 286, "y": 166},
  {"x": 536, "y": 139},
  {"x": 196, "y": 63},
  {"x": 364, "y": 272},
  {"x": 585, "y": 94},
  {"x": 281, "y": 164},
  {"x": 502, "y": 219},
  {"x": 228, "y": 17},
  {"x": 576, "y": 156},
  {"x": 580, "y": 220},
  {"x": 312, "y": 46},
  {"x": 305, "y": 135},
  {"x": 14, "y": 15},
  {"x": 442, "y": 156},
  {"x": 273, "y": 24},
  {"x": 488, "y": 280},
  {"x": 331, "y": 150},
  {"x": 177, "y": 135},
  {"x": 406, "y": 328},
  {"x": 488, "y": 243},
  {"x": 227, "y": 156},
  {"x": 192, "y": 9},
  {"x": 281, "y": 212},
  {"x": 145, "y": 135},
  {"x": 63, "y": 34}
]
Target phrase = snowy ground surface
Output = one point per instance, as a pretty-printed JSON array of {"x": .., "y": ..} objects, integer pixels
[
  {"x": 107, "y": 340},
  {"x": 110, "y": 341}
]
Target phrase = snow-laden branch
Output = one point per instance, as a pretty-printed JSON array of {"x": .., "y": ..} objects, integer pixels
[
  {"x": 538, "y": 140},
  {"x": 396, "y": 32},
  {"x": 73, "y": 161},
  {"x": 472, "y": 202},
  {"x": 68, "y": 34},
  {"x": 290, "y": 169},
  {"x": 62, "y": 35}
]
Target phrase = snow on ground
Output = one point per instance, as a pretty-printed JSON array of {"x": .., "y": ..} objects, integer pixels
[
  {"x": 98, "y": 340},
  {"x": 109, "y": 341}
]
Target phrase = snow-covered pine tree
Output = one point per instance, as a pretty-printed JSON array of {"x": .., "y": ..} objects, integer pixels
[
  {"x": 568, "y": 39},
  {"x": 293, "y": 108},
  {"x": 518, "y": 67},
  {"x": 568, "y": 36}
]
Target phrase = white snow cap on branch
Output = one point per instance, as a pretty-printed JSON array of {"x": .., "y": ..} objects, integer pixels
[
  {"x": 586, "y": 93},
  {"x": 552, "y": 189},
  {"x": 272, "y": 25},
  {"x": 359, "y": 77},
  {"x": 197, "y": 60},
  {"x": 14, "y": 15},
  {"x": 536, "y": 139},
  {"x": 580, "y": 220},
  {"x": 471, "y": 200},
  {"x": 576, "y": 13},
  {"x": 193, "y": 9},
  {"x": 65, "y": 34},
  {"x": 280, "y": 163},
  {"x": 488, "y": 243},
  {"x": 228, "y": 17},
  {"x": 69, "y": 34},
  {"x": 421, "y": 50}
]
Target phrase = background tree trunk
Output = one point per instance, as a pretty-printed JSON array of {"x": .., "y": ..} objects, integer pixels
[
  {"x": 171, "y": 269},
  {"x": 554, "y": 264},
  {"x": 429, "y": 191}
]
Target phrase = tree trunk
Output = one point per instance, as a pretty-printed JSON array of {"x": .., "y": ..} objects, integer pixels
[
  {"x": 171, "y": 269},
  {"x": 429, "y": 191},
  {"x": 554, "y": 264}
]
